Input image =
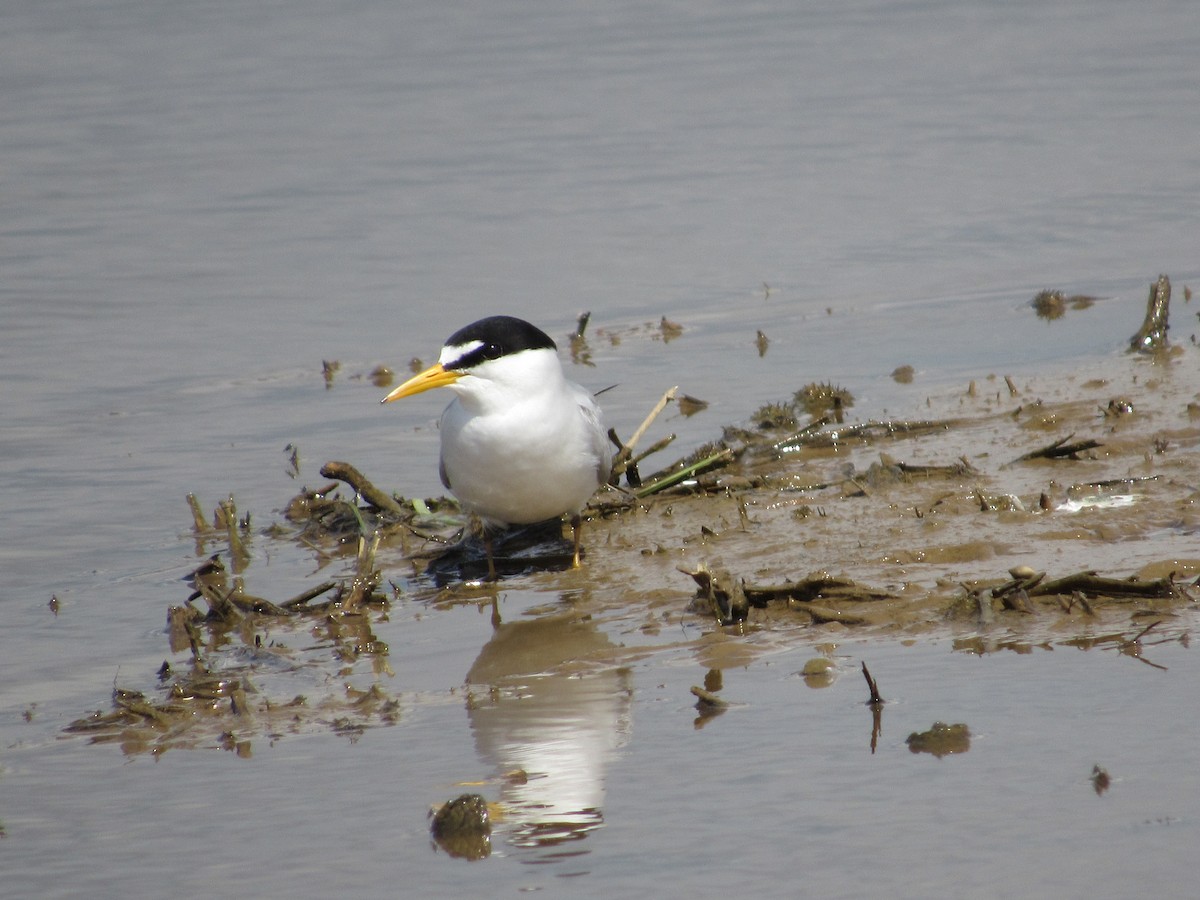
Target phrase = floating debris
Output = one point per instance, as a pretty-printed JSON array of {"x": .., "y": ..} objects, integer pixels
[
  {"x": 708, "y": 703},
  {"x": 689, "y": 405},
  {"x": 775, "y": 417},
  {"x": 940, "y": 740},
  {"x": 329, "y": 368},
  {"x": 581, "y": 353},
  {"x": 761, "y": 343},
  {"x": 1100, "y": 780},
  {"x": 463, "y": 827},
  {"x": 581, "y": 325},
  {"x": 824, "y": 399},
  {"x": 1051, "y": 305},
  {"x": 819, "y": 672},
  {"x": 382, "y": 376}
]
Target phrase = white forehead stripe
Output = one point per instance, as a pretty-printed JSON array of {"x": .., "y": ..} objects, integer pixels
[{"x": 452, "y": 355}]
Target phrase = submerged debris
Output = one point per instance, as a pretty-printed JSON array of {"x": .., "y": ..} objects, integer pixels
[
  {"x": 1152, "y": 336},
  {"x": 223, "y": 693},
  {"x": 729, "y": 598},
  {"x": 721, "y": 594}
]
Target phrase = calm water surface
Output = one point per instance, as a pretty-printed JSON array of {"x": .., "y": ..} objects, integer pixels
[{"x": 202, "y": 202}]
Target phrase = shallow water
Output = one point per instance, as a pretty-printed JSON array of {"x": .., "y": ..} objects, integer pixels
[{"x": 203, "y": 203}]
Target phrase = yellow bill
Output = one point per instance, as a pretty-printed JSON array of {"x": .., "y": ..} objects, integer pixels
[{"x": 434, "y": 377}]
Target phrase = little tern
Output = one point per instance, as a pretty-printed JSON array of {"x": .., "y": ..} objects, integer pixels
[{"x": 520, "y": 443}]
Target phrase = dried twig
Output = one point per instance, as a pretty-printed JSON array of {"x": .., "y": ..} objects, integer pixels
[
  {"x": 666, "y": 398},
  {"x": 311, "y": 593},
  {"x": 875, "y": 700},
  {"x": 669, "y": 479},
  {"x": 864, "y": 431},
  {"x": 362, "y": 486},
  {"x": 1059, "y": 449},
  {"x": 1091, "y": 583},
  {"x": 622, "y": 461},
  {"x": 581, "y": 326}
]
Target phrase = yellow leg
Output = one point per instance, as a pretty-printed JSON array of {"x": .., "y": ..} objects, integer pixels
[{"x": 576, "y": 523}]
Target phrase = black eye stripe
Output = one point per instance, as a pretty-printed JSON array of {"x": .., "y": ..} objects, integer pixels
[
  {"x": 494, "y": 337},
  {"x": 472, "y": 359}
]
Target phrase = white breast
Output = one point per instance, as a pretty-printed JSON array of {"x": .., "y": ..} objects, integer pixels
[{"x": 520, "y": 443}]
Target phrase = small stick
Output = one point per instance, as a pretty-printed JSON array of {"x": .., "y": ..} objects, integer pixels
[
  {"x": 658, "y": 408},
  {"x": 1141, "y": 634},
  {"x": 301, "y": 599},
  {"x": 720, "y": 458},
  {"x": 581, "y": 326},
  {"x": 621, "y": 462},
  {"x": 875, "y": 700},
  {"x": 1059, "y": 449},
  {"x": 862, "y": 488},
  {"x": 199, "y": 523},
  {"x": 362, "y": 486},
  {"x": 654, "y": 448},
  {"x": 1114, "y": 587},
  {"x": 814, "y": 425},
  {"x": 237, "y": 550}
]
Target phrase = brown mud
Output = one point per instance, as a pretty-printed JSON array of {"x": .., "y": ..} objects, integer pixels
[{"x": 1008, "y": 513}]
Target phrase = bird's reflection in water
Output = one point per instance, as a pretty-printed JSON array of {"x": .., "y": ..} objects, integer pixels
[{"x": 548, "y": 718}]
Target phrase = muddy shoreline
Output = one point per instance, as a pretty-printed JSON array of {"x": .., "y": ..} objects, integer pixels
[{"x": 1010, "y": 513}]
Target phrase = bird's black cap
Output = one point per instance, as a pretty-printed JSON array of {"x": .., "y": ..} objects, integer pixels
[{"x": 497, "y": 336}]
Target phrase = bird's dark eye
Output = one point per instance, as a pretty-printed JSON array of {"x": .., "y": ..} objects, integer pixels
[{"x": 491, "y": 351}]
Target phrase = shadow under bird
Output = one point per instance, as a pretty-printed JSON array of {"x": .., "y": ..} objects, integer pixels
[{"x": 520, "y": 443}]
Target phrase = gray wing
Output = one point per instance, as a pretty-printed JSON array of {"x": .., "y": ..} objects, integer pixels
[{"x": 601, "y": 448}]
